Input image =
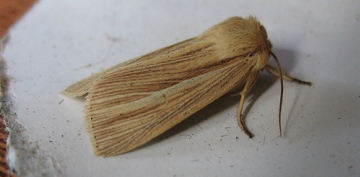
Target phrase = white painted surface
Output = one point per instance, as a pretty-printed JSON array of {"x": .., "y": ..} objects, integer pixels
[{"x": 60, "y": 42}]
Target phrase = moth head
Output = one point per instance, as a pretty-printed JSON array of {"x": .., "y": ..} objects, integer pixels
[
  {"x": 259, "y": 58},
  {"x": 261, "y": 45}
]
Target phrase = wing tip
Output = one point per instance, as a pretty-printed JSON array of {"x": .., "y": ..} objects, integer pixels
[{"x": 101, "y": 147}]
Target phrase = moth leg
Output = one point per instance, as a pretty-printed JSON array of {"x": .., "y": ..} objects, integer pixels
[
  {"x": 275, "y": 72},
  {"x": 250, "y": 82}
]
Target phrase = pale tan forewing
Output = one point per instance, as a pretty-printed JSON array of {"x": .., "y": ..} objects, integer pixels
[{"x": 127, "y": 108}]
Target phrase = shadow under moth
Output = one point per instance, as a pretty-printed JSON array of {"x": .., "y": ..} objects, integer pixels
[{"x": 131, "y": 103}]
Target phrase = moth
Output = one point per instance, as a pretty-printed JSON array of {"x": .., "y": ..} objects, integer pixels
[{"x": 130, "y": 103}]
